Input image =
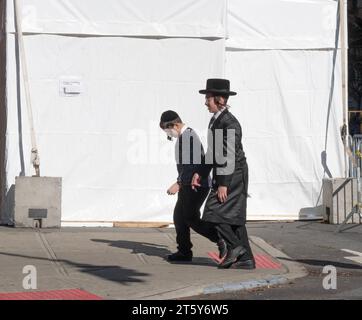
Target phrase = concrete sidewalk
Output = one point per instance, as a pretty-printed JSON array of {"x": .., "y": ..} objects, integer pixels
[{"x": 127, "y": 263}]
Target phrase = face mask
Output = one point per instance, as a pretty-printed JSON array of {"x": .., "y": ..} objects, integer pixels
[{"x": 171, "y": 133}]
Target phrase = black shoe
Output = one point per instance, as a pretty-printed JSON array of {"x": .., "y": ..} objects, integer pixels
[
  {"x": 178, "y": 256},
  {"x": 248, "y": 264},
  {"x": 232, "y": 257},
  {"x": 223, "y": 249}
]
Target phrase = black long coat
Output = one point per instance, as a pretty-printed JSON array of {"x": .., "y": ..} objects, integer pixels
[{"x": 232, "y": 173}]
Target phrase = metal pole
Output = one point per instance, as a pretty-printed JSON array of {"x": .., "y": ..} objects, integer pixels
[
  {"x": 344, "y": 67},
  {"x": 34, "y": 151}
]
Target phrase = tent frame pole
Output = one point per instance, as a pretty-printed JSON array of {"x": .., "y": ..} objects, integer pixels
[
  {"x": 344, "y": 67},
  {"x": 20, "y": 39}
]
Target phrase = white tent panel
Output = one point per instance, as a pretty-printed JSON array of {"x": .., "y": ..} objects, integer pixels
[
  {"x": 182, "y": 18},
  {"x": 282, "y": 24},
  {"x": 106, "y": 142},
  {"x": 283, "y": 106}
]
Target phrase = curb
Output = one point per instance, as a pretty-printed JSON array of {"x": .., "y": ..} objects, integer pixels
[
  {"x": 218, "y": 288},
  {"x": 245, "y": 285},
  {"x": 294, "y": 270}
]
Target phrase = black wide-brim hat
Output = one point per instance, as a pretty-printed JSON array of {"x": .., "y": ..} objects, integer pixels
[{"x": 218, "y": 86}]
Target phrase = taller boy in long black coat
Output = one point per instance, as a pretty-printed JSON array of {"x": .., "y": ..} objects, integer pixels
[{"x": 227, "y": 201}]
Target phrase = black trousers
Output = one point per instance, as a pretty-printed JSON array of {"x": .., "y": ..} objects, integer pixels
[
  {"x": 235, "y": 236},
  {"x": 187, "y": 214}
]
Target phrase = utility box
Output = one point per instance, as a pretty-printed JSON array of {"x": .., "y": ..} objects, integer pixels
[
  {"x": 37, "y": 202},
  {"x": 339, "y": 198}
]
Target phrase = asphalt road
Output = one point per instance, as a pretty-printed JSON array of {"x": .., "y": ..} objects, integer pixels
[{"x": 315, "y": 245}]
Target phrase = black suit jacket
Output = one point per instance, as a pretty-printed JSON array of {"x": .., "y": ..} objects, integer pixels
[{"x": 189, "y": 155}]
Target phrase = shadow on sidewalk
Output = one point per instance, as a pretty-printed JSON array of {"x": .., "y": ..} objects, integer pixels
[
  {"x": 152, "y": 249},
  {"x": 107, "y": 272}
]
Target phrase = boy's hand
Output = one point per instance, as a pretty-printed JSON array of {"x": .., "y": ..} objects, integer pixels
[
  {"x": 222, "y": 193},
  {"x": 173, "y": 189},
  {"x": 195, "y": 181}
]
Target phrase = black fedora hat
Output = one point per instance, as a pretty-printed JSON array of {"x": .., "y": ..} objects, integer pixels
[{"x": 218, "y": 86}]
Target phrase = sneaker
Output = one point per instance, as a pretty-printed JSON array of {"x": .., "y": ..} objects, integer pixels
[{"x": 178, "y": 256}]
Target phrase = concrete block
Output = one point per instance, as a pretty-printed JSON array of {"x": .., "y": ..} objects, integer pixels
[
  {"x": 339, "y": 197},
  {"x": 38, "y": 202}
]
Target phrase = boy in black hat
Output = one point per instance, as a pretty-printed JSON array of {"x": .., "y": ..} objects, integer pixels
[
  {"x": 227, "y": 201},
  {"x": 189, "y": 155}
]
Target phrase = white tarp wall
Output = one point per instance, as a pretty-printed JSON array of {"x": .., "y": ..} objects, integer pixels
[
  {"x": 135, "y": 59},
  {"x": 281, "y": 56}
]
